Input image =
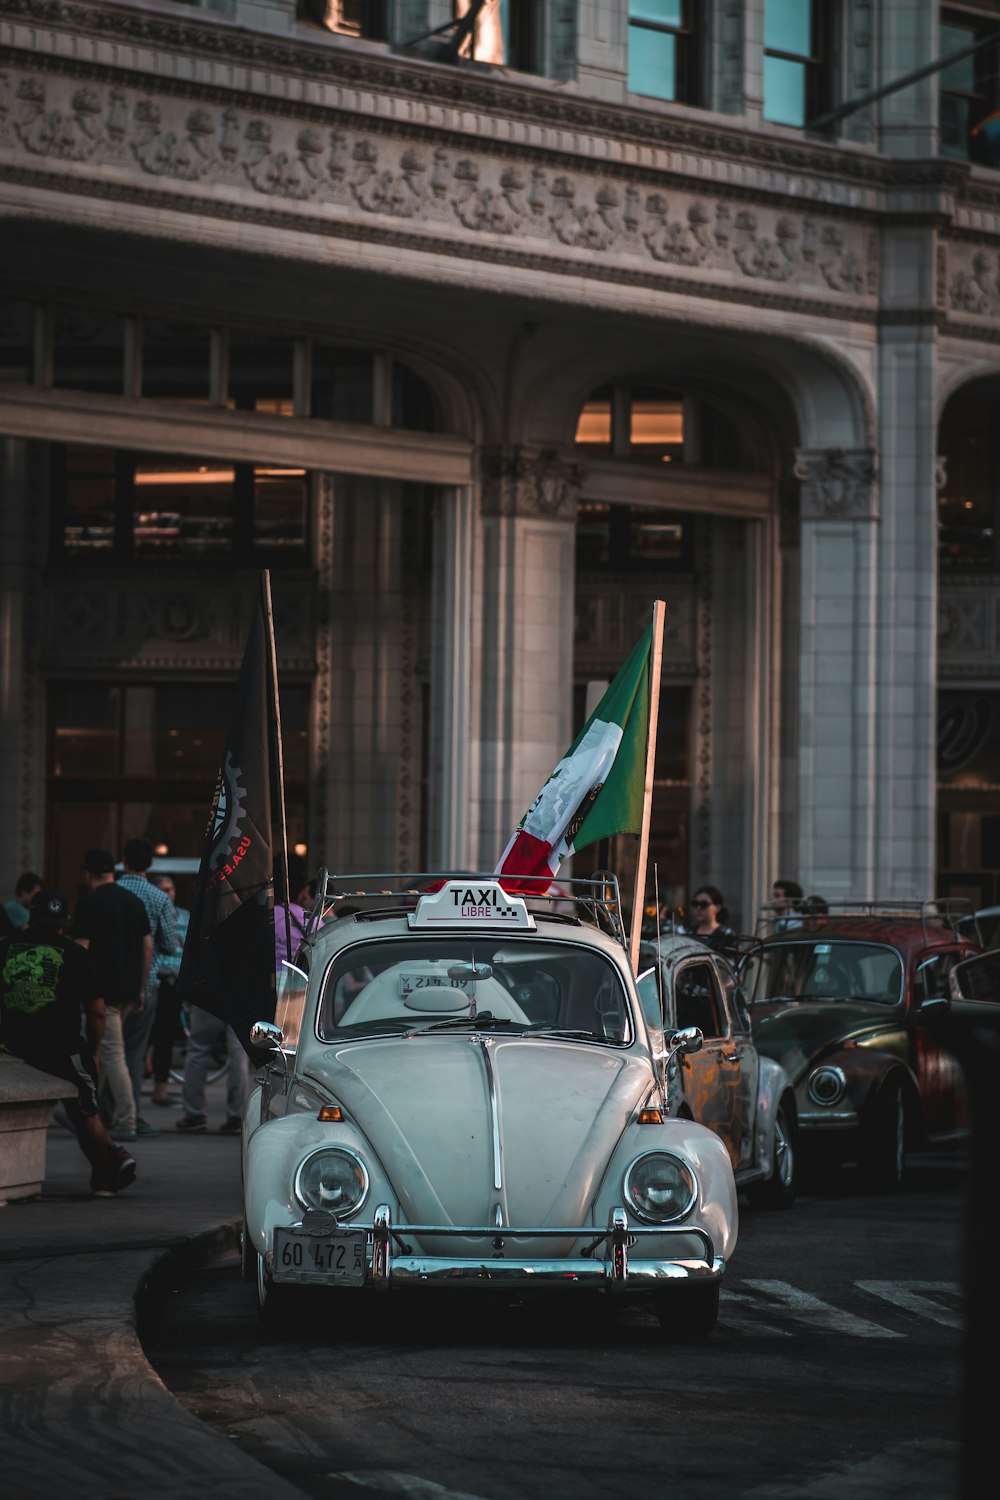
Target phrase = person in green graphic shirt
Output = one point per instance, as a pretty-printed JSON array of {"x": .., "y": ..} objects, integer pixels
[{"x": 52, "y": 1017}]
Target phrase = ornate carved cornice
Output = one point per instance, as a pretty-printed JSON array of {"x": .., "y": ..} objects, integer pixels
[
  {"x": 272, "y": 168},
  {"x": 448, "y": 86},
  {"x": 522, "y": 482},
  {"x": 838, "y": 484}
]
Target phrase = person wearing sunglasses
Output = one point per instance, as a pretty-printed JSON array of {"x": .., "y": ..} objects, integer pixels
[{"x": 709, "y": 917}]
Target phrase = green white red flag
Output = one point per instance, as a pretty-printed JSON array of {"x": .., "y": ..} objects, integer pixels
[{"x": 597, "y": 788}]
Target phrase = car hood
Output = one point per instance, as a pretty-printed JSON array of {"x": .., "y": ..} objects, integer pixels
[
  {"x": 427, "y": 1107},
  {"x": 796, "y": 1032}
]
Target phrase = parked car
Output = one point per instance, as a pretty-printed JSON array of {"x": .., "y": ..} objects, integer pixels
[
  {"x": 485, "y": 1111},
  {"x": 983, "y": 926},
  {"x": 838, "y": 999},
  {"x": 726, "y": 1084}
]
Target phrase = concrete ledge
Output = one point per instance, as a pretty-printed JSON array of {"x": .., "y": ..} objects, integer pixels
[{"x": 27, "y": 1098}]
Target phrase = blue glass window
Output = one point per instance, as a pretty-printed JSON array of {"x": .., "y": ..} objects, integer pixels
[
  {"x": 662, "y": 50},
  {"x": 796, "y": 80}
]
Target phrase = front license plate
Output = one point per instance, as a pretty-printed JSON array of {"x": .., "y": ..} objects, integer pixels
[{"x": 336, "y": 1259}]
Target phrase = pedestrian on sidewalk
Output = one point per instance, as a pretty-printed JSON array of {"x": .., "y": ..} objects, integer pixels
[
  {"x": 204, "y": 1030},
  {"x": 709, "y": 917},
  {"x": 112, "y": 924},
  {"x": 137, "y": 856},
  {"x": 18, "y": 909},
  {"x": 52, "y": 1015},
  {"x": 168, "y": 1002},
  {"x": 786, "y": 896}
]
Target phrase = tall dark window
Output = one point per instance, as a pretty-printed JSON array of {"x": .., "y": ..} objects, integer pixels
[
  {"x": 662, "y": 50},
  {"x": 140, "y": 758},
  {"x": 967, "y": 505},
  {"x": 797, "y": 74},
  {"x": 969, "y": 90}
]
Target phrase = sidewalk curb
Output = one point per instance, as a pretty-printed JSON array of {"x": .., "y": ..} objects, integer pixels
[
  {"x": 82, "y": 1410},
  {"x": 173, "y": 1262}
]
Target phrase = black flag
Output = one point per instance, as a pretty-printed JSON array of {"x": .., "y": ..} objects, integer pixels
[{"x": 228, "y": 962}]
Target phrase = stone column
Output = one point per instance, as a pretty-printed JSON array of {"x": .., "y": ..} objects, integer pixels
[
  {"x": 22, "y": 707},
  {"x": 906, "y": 592},
  {"x": 366, "y": 731},
  {"x": 838, "y": 681},
  {"x": 453, "y": 743},
  {"x": 523, "y": 659}
]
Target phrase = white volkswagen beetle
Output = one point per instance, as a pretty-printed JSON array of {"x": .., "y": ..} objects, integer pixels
[{"x": 463, "y": 1092}]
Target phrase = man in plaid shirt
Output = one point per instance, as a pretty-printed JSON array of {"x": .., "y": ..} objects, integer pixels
[{"x": 137, "y": 857}]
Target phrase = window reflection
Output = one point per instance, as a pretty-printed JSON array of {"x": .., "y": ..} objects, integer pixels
[
  {"x": 593, "y": 429},
  {"x": 661, "y": 50},
  {"x": 183, "y": 506},
  {"x": 279, "y": 507},
  {"x": 89, "y": 490},
  {"x": 796, "y": 81},
  {"x": 624, "y": 537},
  {"x": 160, "y": 506}
]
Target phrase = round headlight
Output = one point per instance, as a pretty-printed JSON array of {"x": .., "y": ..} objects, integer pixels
[
  {"x": 660, "y": 1187},
  {"x": 826, "y": 1085},
  {"x": 332, "y": 1179}
]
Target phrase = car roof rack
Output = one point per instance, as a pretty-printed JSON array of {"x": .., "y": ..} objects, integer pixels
[
  {"x": 953, "y": 912},
  {"x": 595, "y": 898}
]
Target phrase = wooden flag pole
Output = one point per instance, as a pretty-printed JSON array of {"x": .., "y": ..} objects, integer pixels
[
  {"x": 638, "y": 896},
  {"x": 269, "y": 620}
]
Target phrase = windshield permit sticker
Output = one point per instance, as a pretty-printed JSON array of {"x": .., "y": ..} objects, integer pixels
[
  {"x": 823, "y": 948},
  {"x": 465, "y": 903}
]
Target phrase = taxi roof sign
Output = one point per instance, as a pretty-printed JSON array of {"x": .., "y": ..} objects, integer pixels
[{"x": 472, "y": 903}]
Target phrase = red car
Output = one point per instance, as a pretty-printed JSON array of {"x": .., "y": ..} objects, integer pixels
[{"x": 838, "y": 1000}]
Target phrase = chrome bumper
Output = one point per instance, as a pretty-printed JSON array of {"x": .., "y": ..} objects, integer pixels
[{"x": 605, "y": 1262}]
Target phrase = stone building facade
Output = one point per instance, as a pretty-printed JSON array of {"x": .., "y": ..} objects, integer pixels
[{"x": 480, "y": 355}]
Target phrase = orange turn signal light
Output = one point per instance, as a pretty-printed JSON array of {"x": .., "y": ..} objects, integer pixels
[
  {"x": 650, "y": 1117},
  {"x": 330, "y": 1112}
]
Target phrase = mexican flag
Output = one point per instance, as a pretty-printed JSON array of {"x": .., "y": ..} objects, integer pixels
[{"x": 597, "y": 788}]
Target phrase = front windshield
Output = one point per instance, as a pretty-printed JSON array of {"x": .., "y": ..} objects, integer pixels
[
  {"x": 496, "y": 983},
  {"x": 824, "y": 969}
]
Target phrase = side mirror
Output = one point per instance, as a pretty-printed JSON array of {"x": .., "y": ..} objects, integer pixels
[
  {"x": 934, "y": 1004},
  {"x": 688, "y": 1039},
  {"x": 266, "y": 1036}
]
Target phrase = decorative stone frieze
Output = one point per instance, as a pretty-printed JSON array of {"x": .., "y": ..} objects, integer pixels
[
  {"x": 174, "y": 623},
  {"x": 522, "y": 482},
  {"x": 223, "y": 156},
  {"x": 971, "y": 280},
  {"x": 837, "y": 484},
  {"x": 613, "y": 609},
  {"x": 968, "y": 629}
]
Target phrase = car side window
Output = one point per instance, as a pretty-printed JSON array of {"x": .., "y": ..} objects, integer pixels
[
  {"x": 933, "y": 975},
  {"x": 698, "y": 1000},
  {"x": 292, "y": 987},
  {"x": 735, "y": 999}
]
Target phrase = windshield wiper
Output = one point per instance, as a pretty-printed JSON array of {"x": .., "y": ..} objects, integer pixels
[
  {"x": 542, "y": 1028},
  {"x": 484, "y": 1019}
]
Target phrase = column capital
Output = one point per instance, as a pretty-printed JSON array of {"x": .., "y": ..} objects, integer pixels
[
  {"x": 838, "y": 483},
  {"x": 523, "y": 481}
]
